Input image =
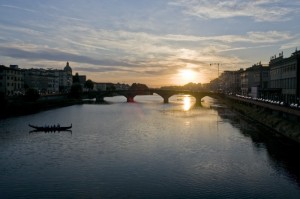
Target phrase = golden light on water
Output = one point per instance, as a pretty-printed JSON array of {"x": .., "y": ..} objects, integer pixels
[{"x": 187, "y": 104}]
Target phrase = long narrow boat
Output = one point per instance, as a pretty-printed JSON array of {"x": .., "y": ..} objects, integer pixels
[{"x": 50, "y": 128}]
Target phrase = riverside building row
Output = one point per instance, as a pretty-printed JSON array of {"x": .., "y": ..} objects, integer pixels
[
  {"x": 14, "y": 81},
  {"x": 279, "y": 80}
]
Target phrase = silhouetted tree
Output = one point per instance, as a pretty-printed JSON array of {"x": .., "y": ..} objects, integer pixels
[
  {"x": 2, "y": 99},
  {"x": 31, "y": 95},
  {"x": 76, "y": 91},
  {"x": 76, "y": 78},
  {"x": 3, "y": 104},
  {"x": 137, "y": 86},
  {"x": 89, "y": 84},
  {"x": 192, "y": 86},
  {"x": 110, "y": 87}
]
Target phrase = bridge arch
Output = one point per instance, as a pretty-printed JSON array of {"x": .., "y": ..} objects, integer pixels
[
  {"x": 198, "y": 95},
  {"x": 128, "y": 94},
  {"x": 165, "y": 94}
]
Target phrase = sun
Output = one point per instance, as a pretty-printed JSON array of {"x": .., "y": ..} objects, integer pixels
[{"x": 187, "y": 75}]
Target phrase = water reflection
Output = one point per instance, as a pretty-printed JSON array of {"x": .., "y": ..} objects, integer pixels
[
  {"x": 187, "y": 104},
  {"x": 39, "y": 131},
  {"x": 145, "y": 150},
  {"x": 282, "y": 153}
]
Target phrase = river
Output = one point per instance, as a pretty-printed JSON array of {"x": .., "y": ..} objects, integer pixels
[{"x": 146, "y": 149}]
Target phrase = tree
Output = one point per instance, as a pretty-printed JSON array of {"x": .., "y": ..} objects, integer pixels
[
  {"x": 76, "y": 78},
  {"x": 3, "y": 99},
  {"x": 137, "y": 86},
  {"x": 31, "y": 94},
  {"x": 89, "y": 84},
  {"x": 76, "y": 91}
]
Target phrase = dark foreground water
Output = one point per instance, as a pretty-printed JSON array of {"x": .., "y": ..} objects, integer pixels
[{"x": 145, "y": 150}]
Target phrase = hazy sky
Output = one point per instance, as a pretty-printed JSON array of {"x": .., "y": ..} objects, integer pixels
[{"x": 157, "y": 42}]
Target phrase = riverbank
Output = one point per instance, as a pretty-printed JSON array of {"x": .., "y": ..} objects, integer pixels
[
  {"x": 283, "y": 124},
  {"x": 20, "y": 107}
]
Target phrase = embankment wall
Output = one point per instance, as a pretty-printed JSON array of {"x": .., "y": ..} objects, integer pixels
[{"x": 284, "y": 123}]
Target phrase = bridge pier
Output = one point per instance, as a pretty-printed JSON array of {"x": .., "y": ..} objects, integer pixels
[
  {"x": 198, "y": 98},
  {"x": 166, "y": 97},
  {"x": 198, "y": 102},
  {"x": 99, "y": 99},
  {"x": 130, "y": 99},
  {"x": 166, "y": 100}
]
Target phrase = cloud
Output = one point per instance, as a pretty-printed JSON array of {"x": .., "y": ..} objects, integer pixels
[
  {"x": 138, "y": 52},
  {"x": 18, "y": 8},
  {"x": 86, "y": 45},
  {"x": 245, "y": 48},
  {"x": 20, "y": 30},
  {"x": 135, "y": 46},
  {"x": 129, "y": 47},
  {"x": 260, "y": 10},
  {"x": 292, "y": 44},
  {"x": 98, "y": 50},
  {"x": 56, "y": 55},
  {"x": 250, "y": 37}
]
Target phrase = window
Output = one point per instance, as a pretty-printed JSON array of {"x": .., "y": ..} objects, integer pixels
[{"x": 293, "y": 83}]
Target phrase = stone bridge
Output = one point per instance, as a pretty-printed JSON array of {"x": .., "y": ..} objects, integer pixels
[
  {"x": 198, "y": 95},
  {"x": 129, "y": 94},
  {"x": 165, "y": 94}
]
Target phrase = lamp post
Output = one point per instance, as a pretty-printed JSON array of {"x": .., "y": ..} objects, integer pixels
[{"x": 218, "y": 64}]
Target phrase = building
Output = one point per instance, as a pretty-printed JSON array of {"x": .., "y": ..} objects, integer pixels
[
  {"x": 42, "y": 80},
  {"x": 11, "y": 80},
  {"x": 120, "y": 86},
  {"x": 229, "y": 81},
  {"x": 53, "y": 81},
  {"x": 82, "y": 80},
  {"x": 254, "y": 80},
  {"x": 48, "y": 81},
  {"x": 65, "y": 79},
  {"x": 284, "y": 77},
  {"x": 104, "y": 86}
]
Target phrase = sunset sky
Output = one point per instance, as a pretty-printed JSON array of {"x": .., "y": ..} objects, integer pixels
[{"x": 156, "y": 42}]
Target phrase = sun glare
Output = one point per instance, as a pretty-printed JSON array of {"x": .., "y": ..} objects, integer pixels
[{"x": 186, "y": 76}]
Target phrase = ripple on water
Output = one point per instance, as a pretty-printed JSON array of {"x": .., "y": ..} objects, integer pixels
[{"x": 143, "y": 150}]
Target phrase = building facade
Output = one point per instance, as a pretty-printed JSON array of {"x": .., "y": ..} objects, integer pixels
[
  {"x": 120, "y": 86},
  {"x": 82, "y": 80},
  {"x": 284, "y": 77},
  {"x": 42, "y": 80},
  {"x": 254, "y": 80},
  {"x": 65, "y": 79},
  {"x": 49, "y": 81},
  {"x": 11, "y": 80},
  {"x": 229, "y": 81}
]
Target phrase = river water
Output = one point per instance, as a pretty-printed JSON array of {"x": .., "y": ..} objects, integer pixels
[{"x": 145, "y": 149}]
